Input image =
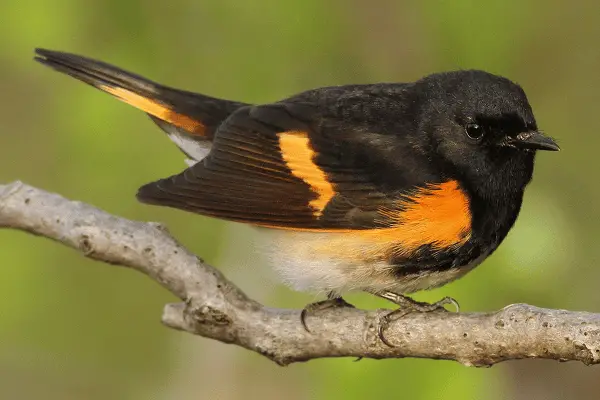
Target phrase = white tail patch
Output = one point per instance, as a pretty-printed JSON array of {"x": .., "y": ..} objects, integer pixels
[
  {"x": 194, "y": 146},
  {"x": 195, "y": 149}
]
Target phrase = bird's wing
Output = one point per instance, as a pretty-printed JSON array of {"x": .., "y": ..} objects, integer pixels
[{"x": 278, "y": 166}]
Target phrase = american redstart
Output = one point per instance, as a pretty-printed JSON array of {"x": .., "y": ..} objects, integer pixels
[{"x": 386, "y": 188}]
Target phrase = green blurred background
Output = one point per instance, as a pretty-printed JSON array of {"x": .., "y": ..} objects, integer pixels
[{"x": 71, "y": 328}]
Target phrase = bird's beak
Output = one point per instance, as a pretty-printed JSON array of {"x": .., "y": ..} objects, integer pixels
[{"x": 533, "y": 140}]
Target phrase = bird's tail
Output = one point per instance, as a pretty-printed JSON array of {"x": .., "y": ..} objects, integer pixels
[{"x": 190, "y": 119}]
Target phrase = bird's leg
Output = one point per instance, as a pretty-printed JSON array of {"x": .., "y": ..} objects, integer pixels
[
  {"x": 407, "y": 306},
  {"x": 333, "y": 301}
]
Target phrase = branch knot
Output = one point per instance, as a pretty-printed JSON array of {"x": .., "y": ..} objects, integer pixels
[{"x": 207, "y": 315}]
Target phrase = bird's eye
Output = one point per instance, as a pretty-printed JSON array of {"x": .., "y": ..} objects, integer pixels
[{"x": 474, "y": 131}]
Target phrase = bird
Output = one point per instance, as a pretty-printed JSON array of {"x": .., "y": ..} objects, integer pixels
[{"x": 386, "y": 188}]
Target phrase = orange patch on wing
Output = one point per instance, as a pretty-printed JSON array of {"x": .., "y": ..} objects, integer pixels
[
  {"x": 437, "y": 215},
  {"x": 156, "y": 109},
  {"x": 298, "y": 155}
]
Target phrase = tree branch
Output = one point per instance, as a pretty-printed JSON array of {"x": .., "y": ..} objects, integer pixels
[{"x": 215, "y": 308}]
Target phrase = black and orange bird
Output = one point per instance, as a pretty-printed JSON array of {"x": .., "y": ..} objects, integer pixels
[{"x": 387, "y": 188}]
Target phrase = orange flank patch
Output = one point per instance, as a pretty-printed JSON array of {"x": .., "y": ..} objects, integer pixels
[
  {"x": 437, "y": 215},
  {"x": 299, "y": 156},
  {"x": 156, "y": 109}
]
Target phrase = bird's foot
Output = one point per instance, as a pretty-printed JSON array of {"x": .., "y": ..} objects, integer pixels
[
  {"x": 332, "y": 301},
  {"x": 407, "y": 306}
]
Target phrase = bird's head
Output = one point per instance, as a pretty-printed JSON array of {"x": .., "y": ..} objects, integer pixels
[{"x": 479, "y": 123}]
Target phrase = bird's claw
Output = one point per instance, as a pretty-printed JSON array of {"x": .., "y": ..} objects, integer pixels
[{"x": 407, "y": 306}]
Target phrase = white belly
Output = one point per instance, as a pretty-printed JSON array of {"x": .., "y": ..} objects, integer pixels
[{"x": 341, "y": 262}]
